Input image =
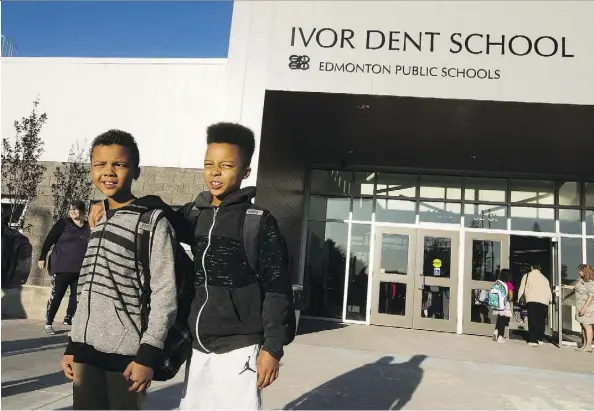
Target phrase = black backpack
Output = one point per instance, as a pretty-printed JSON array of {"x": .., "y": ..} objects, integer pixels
[
  {"x": 251, "y": 239},
  {"x": 178, "y": 343},
  {"x": 16, "y": 258}
]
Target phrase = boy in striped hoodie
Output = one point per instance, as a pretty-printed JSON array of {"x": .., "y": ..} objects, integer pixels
[{"x": 108, "y": 357}]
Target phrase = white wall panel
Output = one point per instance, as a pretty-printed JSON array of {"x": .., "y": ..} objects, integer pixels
[{"x": 165, "y": 103}]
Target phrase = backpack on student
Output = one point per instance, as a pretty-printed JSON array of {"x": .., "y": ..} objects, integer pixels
[
  {"x": 178, "y": 343},
  {"x": 251, "y": 232},
  {"x": 498, "y": 296},
  {"x": 16, "y": 258}
]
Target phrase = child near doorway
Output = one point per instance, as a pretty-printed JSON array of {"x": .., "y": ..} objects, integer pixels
[{"x": 504, "y": 316}]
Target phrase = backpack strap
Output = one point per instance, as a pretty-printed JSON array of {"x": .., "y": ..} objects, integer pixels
[
  {"x": 251, "y": 235},
  {"x": 144, "y": 240}
]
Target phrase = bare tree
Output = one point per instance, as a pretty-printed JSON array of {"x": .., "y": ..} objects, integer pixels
[
  {"x": 21, "y": 170},
  {"x": 72, "y": 181}
]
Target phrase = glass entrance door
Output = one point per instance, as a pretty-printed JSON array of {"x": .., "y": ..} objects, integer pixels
[
  {"x": 436, "y": 280},
  {"x": 393, "y": 277},
  {"x": 414, "y": 283},
  {"x": 485, "y": 254}
]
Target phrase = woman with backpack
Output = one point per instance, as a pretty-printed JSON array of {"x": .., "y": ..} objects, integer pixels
[
  {"x": 504, "y": 316},
  {"x": 535, "y": 290},
  {"x": 69, "y": 237}
]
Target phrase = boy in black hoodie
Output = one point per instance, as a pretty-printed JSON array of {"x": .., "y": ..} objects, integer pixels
[{"x": 239, "y": 318}]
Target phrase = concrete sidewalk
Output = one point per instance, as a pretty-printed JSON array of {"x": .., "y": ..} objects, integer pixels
[{"x": 354, "y": 367}]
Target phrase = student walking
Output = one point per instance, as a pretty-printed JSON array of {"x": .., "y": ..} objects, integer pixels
[
  {"x": 69, "y": 238},
  {"x": 536, "y": 289},
  {"x": 504, "y": 316},
  {"x": 113, "y": 349}
]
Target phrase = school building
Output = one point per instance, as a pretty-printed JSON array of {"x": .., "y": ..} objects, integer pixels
[{"x": 410, "y": 150}]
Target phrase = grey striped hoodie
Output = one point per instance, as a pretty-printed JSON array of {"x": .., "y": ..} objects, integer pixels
[{"x": 105, "y": 332}]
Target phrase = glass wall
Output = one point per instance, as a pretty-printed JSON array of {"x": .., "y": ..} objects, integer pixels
[{"x": 344, "y": 206}]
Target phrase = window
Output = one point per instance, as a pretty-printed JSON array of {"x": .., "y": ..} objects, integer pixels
[{"x": 13, "y": 215}]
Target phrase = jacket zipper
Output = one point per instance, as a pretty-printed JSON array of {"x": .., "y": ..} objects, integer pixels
[
  {"x": 214, "y": 218},
  {"x": 91, "y": 282}
]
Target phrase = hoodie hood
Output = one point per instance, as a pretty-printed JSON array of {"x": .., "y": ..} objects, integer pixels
[{"x": 243, "y": 195}]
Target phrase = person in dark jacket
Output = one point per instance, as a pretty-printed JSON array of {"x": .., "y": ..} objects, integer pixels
[{"x": 69, "y": 237}]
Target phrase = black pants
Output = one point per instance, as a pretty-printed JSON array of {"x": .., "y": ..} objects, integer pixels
[
  {"x": 502, "y": 322},
  {"x": 537, "y": 317},
  {"x": 60, "y": 282},
  {"x": 97, "y": 389}
]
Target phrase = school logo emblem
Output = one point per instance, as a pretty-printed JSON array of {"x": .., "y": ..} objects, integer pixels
[{"x": 299, "y": 62}]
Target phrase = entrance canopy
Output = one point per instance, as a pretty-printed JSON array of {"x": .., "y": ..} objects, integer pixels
[{"x": 348, "y": 130}]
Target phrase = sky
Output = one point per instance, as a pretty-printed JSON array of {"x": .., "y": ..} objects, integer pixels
[{"x": 170, "y": 29}]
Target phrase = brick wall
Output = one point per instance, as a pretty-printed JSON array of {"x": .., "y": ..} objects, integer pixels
[{"x": 176, "y": 186}]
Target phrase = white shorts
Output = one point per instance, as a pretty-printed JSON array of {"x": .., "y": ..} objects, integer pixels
[{"x": 222, "y": 381}]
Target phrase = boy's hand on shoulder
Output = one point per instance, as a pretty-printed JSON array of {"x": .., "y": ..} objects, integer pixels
[
  {"x": 67, "y": 366},
  {"x": 96, "y": 213},
  {"x": 140, "y": 375},
  {"x": 267, "y": 369}
]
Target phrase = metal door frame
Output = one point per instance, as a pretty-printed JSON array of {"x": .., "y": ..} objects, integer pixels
[
  {"x": 414, "y": 280},
  {"x": 469, "y": 327},
  {"x": 431, "y": 324},
  {"x": 406, "y": 320}
]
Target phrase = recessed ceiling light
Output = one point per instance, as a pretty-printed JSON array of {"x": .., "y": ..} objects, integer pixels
[{"x": 362, "y": 106}]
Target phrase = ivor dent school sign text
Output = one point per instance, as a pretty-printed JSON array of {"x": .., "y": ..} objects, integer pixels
[{"x": 469, "y": 44}]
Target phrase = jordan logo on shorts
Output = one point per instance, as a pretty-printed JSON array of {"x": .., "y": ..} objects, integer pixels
[{"x": 247, "y": 367}]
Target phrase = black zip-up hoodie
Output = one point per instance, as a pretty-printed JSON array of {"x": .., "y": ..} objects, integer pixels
[{"x": 235, "y": 307}]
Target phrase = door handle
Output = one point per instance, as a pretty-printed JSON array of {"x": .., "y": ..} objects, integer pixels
[{"x": 422, "y": 282}]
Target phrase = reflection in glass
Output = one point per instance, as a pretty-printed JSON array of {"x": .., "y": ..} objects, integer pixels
[
  {"x": 437, "y": 257},
  {"x": 329, "y": 208},
  {"x": 396, "y": 185},
  {"x": 392, "y": 298},
  {"x": 362, "y": 209},
  {"x": 395, "y": 211},
  {"x": 571, "y": 257},
  {"x": 589, "y": 194},
  {"x": 394, "y": 257},
  {"x": 570, "y": 221},
  {"x": 444, "y": 213},
  {"x": 364, "y": 184},
  {"x": 569, "y": 193},
  {"x": 485, "y": 189},
  {"x": 589, "y": 222},
  {"x": 325, "y": 267},
  {"x": 441, "y": 187},
  {"x": 331, "y": 182},
  {"x": 486, "y": 260},
  {"x": 358, "y": 272},
  {"x": 533, "y": 219},
  {"x": 479, "y": 313},
  {"x": 492, "y": 217},
  {"x": 435, "y": 302},
  {"x": 532, "y": 192},
  {"x": 590, "y": 251}
]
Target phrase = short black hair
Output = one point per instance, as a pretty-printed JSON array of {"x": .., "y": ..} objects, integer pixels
[
  {"x": 236, "y": 134},
  {"x": 79, "y": 205},
  {"x": 505, "y": 275},
  {"x": 120, "y": 138},
  {"x": 536, "y": 267}
]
